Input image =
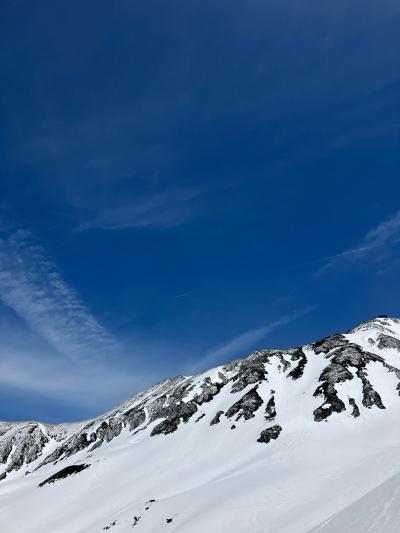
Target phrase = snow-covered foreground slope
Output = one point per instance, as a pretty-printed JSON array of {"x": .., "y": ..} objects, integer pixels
[
  {"x": 299, "y": 440},
  {"x": 378, "y": 510}
]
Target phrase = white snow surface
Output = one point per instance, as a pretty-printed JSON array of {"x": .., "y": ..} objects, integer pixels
[{"x": 338, "y": 475}]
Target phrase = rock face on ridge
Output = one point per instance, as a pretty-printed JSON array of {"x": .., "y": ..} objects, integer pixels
[{"x": 165, "y": 408}]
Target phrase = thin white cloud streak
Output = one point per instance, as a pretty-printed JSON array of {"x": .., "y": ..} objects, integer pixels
[
  {"x": 29, "y": 365},
  {"x": 161, "y": 211},
  {"x": 90, "y": 389},
  {"x": 347, "y": 253},
  {"x": 239, "y": 345},
  {"x": 183, "y": 295},
  {"x": 83, "y": 385},
  {"x": 385, "y": 234},
  {"x": 33, "y": 288},
  {"x": 385, "y": 230}
]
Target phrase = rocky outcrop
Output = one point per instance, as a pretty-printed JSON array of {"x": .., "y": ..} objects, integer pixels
[
  {"x": 65, "y": 472},
  {"x": 370, "y": 395},
  {"x": 135, "y": 417},
  {"x": 356, "y": 411},
  {"x": 209, "y": 390},
  {"x": 386, "y": 341},
  {"x": 253, "y": 369},
  {"x": 21, "y": 445},
  {"x": 216, "y": 418},
  {"x": 164, "y": 401},
  {"x": 270, "y": 410},
  {"x": 250, "y": 371},
  {"x": 342, "y": 362},
  {"x": 329, "y": 343},
  {"x": 107, "y": 431},
  {"x": 269, "y": 434},
  {"x": 246, "y": 406},
  {"x": 169, "y": 425},
  {"x": 298, "y": 355}
]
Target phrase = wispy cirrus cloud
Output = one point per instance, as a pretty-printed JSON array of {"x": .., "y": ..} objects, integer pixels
[
  {"x": 385, "y": 234},
  {"x": 160, "y": 211},
  {"x": 64, "y": 354},
  {"x": 32, "y": 286},
  {"x": 240, "y": 344},
  {"x": 92, "y": 387}
]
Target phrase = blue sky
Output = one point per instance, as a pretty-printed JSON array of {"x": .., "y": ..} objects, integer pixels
[{"x": 183, "y": 182}]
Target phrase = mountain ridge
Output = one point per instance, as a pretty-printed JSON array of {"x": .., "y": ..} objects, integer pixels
[{"x": 256, "y": 407}]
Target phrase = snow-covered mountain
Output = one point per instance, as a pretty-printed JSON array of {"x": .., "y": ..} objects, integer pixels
[{"x": 284, "y": 441}]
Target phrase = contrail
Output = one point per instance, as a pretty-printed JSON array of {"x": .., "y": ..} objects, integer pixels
[
  {"x": 183, "y": 294},
  {"x": 342, "y": 254}
]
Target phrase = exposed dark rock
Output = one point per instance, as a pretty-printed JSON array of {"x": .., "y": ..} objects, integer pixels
[
  {"x": 110, "y": 525},
  {"x": 169, "y": 403},
  {"x": 169, "y": 520},
  {"x": 65, "y": 472},
  {"x": 200, "y": 417},
  {"x": 169, "y": 425},
  {"x": 251, "y": 371},
  {"x": 386, "y": 341},
  {"x": 5, "y": 450},
  {"x": 216, "y": 418},
  {"x": 209, "y": 390},
  {"x": 339, "y": 370},
  {"x": 107, "y": 430},
  {"x": 21, "y": 446},
  {"x": 356, "y": 410},
  {"x": 223, "y": 378},
  {"x": 134, "y": 417},
  {"x": 135, "y": 520},
  {"x": 233, "y": 426},
  {"x": 71, "y": 446},
  {"x": 333, "y": 405},
  {"x": 168, "y": 406},
  {"x": 246, "y": 406},
  {"x": 329, "y": 343},
  {"x": 353, "y": 355},
  {"x": 270, "y": 410},
  {"x": 297, "y": 372},
  {"x": 181, "y": 391},
  {"x": 269, "y": 434},
  {"x": 159, "y": 408},
  {"x": 370, "y": 396},
  {"x": 149, "y": 504}
]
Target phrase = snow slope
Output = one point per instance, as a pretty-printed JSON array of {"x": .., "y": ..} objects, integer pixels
[
  {"x": 284, "y": 441},
  {"x": 378, "y": 510}
]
